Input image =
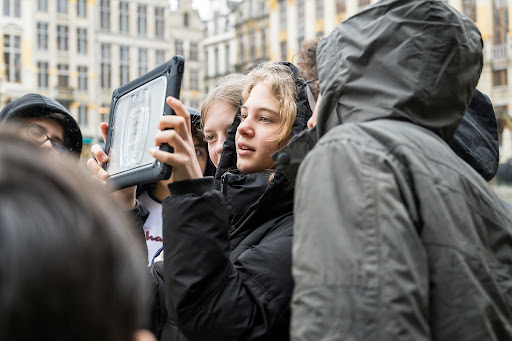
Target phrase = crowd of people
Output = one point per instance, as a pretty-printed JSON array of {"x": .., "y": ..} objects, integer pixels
[{"x": 342, "y": 198}]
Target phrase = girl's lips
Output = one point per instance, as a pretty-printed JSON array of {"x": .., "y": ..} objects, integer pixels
[{"x": 244, "y": 150}]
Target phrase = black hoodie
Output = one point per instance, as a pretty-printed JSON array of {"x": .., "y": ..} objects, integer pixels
[{"x": 35, "y": 105}]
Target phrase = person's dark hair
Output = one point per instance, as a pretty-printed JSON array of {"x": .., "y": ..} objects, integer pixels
[
  {"x": 197, "y": 131},
  {"x": 195, "y": 124},
  {"x": 307, "y": 63},
  {"x": 71, "y": 267}
]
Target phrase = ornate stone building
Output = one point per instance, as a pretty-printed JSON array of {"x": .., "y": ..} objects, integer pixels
[{"x": 79, "y": 51}]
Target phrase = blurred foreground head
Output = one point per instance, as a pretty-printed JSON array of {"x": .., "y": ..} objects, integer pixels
[{"x": 71, "y": 268}]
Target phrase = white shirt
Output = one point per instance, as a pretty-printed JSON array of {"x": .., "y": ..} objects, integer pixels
[{"x": 153, "y": 225}]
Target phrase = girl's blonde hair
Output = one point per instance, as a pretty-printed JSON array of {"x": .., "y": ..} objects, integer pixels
[
  {"x": 228, "y": 91},
  {"x": 280, "y": 83}
]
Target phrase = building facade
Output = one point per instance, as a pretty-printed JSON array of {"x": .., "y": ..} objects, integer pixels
[
  {"x": 185, "y": 34},
  {"x": 251, "y": 29},
  {"x": 79, "y": 51},
  {"x": 219, "y": 43},
  {"x": 292, "y": 21},
  {"x": 236, "y": 38}
]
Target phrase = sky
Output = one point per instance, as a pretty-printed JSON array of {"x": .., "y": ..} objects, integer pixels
[{"x": 202, "y": 5}]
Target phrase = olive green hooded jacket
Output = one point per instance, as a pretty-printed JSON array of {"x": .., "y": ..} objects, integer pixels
[{"x": 395, "y": 236}]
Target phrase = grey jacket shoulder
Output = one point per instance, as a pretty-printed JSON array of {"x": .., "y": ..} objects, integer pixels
[{"x": 404, "y": 221}]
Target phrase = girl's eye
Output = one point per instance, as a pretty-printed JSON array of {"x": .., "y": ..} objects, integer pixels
[
  {"x": 209, "y": 138},
  {"x": 199, "y": 152},
  {"x": 265, "y": 119},
  {"x": 243, "y": 116}
]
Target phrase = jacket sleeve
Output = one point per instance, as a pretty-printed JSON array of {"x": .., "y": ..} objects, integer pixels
[
  {"x": 208, "y": 296},
  {"x": 359, "y": 267},
  {"x": 139, "y": 214}
]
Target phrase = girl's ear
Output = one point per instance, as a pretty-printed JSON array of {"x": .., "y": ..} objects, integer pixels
[{"x": 143, "y": 335}]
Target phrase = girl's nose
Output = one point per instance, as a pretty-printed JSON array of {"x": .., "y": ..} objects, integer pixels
[
  {"x": 218, "y": 146},
  {"x": 245, "y": 128}
]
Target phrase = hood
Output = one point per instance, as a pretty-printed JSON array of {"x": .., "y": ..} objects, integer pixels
[
  {"x": 228, "y": 157},
  {"x": 476, "y": 138},
  {"x": 411, "y": 60},
  {"x": 35, "y": 105}
]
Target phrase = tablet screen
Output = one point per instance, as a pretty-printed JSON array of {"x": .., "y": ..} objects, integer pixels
[{"x": 135, "y": 124}]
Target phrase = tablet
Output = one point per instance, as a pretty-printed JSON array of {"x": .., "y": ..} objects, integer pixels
[{"x": 135, "y": 111}]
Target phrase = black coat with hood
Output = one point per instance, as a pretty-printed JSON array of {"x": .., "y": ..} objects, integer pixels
[
  {"x": 227, "y": 251},
  {"x": 35, "y": 105},
  {"x": 409, "y": 243}
]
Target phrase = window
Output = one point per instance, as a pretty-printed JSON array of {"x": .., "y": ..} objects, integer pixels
[
  {"x": 500, "y": 13},
  {"x": 63, "y": 75},
  {"x": 123, "y": 16},
  {"x": 252, "y": 44},
  {"x": 159, "y": 22},
  {"x": 12, "y": 58},
  {"x": 319, "y": 9},
  {"x": 105, "y": 15},
  {"x": 82, "y": 78},
  {"x": 185, "y": 20},
  {"x": 241, "y": 46},
  {"x": 159, "y": 57},
  {"x": 300, "y": 19},
  {"x": 263, "y": 42},
  {"x": 62, "y": 6},
  {"x": 142, "y": 20},
  {"x": 105, "y": 66},
  {"x": 499, "y": 77},
  {"x": 193, "y": 51},
  {"x": 282, "y": 15},
  {"x": 206, "y": 68},
  {"x": 227, "y": 52},
  {"x": 469, "y": 9},
  {"x": 300, "y": 41},
  {"x": 194, "y": 80},
  {"x": 81, "y": 9},
  {"x": 216, "y": 61},
  {"x": 125, "y": 66},
  {"x": 42, "y": 36},
  {"x": 340, "y": 6},
  {"x": 263, "y": 8},
  {"x": 12, "y": 8},
  {"x": 62, "y": 38},
  {"x": 104, "y": 112},
  {"x": 284, "y": 55},
  {"x": 42, "y": 75},
  {"x": 81, "y": 35},
  {"x": 179, "y": 46},
  {"x": 143, "y": 61},
  {"x": 42, "y": 5},
  {"x": 82, "y": 115},
  {"x": 363, "y": 3}
]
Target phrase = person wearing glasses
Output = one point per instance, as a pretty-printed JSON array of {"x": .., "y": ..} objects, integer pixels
[{"x": 45, "y": 121}]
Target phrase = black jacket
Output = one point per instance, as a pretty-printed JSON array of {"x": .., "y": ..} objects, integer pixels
[{"x": 227, "y": 267}]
